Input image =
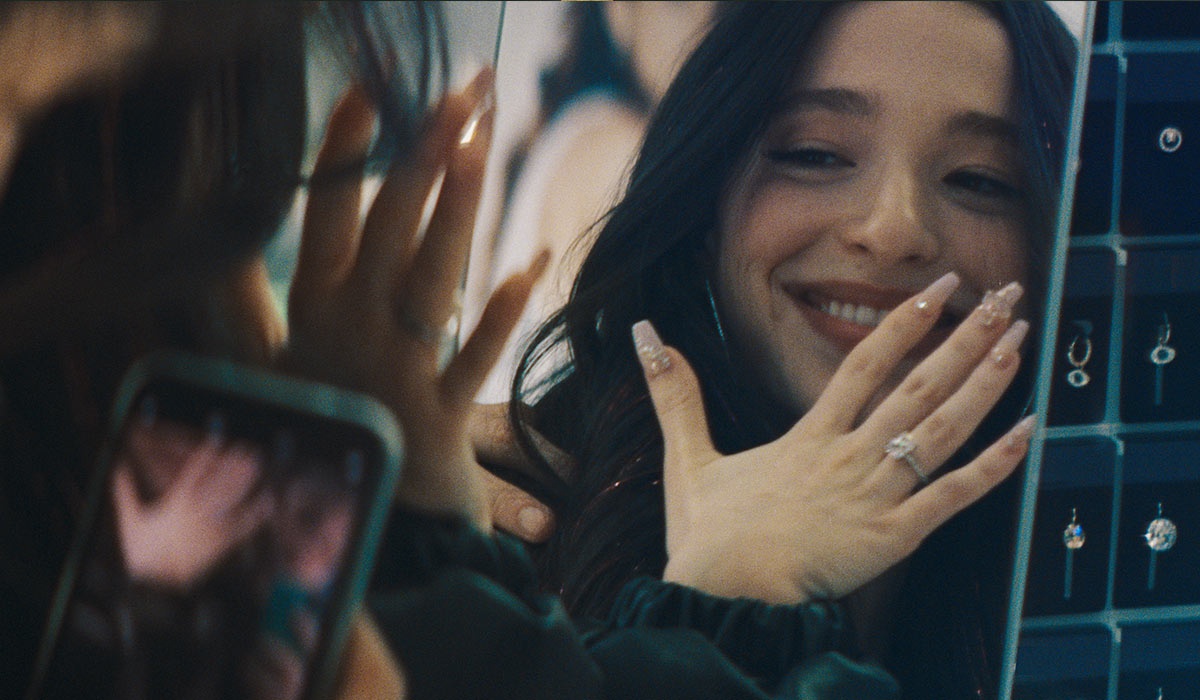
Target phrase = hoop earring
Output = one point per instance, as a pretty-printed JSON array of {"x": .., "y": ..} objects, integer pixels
[
  {"x": 712, "y": 305},
  {"x": 1077, "y": 377},
  {"x": 1160, "y": 355}
]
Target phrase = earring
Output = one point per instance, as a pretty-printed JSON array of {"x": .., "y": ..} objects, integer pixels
[
  {"x": 712, "y": 304},
  {"x": 1077, "y": 377},
  {"x": 1160, "y": 536},
  {"x": 1073, "y": 539},
  {"x": 1160, "y": 355}
]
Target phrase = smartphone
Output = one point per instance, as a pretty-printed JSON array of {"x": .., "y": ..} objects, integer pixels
[{"x": 227, "y": 539}]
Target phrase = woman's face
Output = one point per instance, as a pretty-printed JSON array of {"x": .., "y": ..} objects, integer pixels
[{"x": 893, "y": 161}]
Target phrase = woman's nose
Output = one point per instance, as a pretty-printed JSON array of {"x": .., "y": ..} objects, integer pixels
[{"x": 890, "y": 227}]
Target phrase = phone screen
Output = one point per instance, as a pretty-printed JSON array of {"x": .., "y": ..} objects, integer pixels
[{"x": 222, "y": 550}]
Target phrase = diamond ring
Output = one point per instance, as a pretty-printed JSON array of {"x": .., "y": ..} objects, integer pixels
[{"x": 901, "y": 448}]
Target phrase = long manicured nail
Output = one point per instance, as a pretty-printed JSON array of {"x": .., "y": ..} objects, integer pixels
[
  {"x": 998, "y": 305},
  {"x": 936, "y": 294},
  {"x": 1006, "y": 348},
  {"x": 1018, "y": 437},
  {"x": 649, "y": 349},
  {"x": 482, "y": 92}
]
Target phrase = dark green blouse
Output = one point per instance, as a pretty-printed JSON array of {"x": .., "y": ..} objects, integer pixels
[{"x": 464, "y": 616}]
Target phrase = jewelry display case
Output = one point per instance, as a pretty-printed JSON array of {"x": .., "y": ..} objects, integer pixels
[{"x": 1106, "y": 587}]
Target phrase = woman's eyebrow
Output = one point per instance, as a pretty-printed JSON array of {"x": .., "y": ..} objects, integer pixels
[
  {"x": 840, "y": 100},
  {"x": 982, "y": 125}
]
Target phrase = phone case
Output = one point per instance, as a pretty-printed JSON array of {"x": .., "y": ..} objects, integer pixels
[{"x": 254, "y": 386}]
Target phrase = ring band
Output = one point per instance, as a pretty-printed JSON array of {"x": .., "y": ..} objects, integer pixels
[
  {"x": 423, "y": 332},
  {"x": 901, "y": 448}
]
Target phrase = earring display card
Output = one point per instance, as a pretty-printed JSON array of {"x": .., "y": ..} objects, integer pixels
[
  {"x": 1160, "y": 374},
  {"x": 1165, "y": 656},
  {"x": 1093, "y": 185},
  {"x": 1160, "y": 186},
  {"x": 1060, "y": 664},
  {"x": 1081, "y": 358},
  {"x": 1076, "y": 490},
  {"x": 1159, "y": 471}
]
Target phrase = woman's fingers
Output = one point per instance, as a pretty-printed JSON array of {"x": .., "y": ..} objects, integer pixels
[
  {"x": 468, "y": 370},
  {"x": 870, "y": 363},
  {"x": 928, "y": 386},
  {"x": 515, "y": 511},
  {"x": 933, "y": 505},
  {"x": 494, "y": 443},
  {"x": 330, "y": 238},
  {"x": 677, "y": 402},
  {"x": 442, "y": 257},
  {"x": 945, "y": 430},
  {"x": 391, "y": 227}
]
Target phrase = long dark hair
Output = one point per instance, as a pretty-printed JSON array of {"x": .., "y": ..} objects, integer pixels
[
  {"x": 157, "y": 188},
  {"x": 652, "y": 259}
]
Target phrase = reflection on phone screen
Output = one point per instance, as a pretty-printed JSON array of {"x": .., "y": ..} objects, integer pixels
[{"x": 220, "y": 550}]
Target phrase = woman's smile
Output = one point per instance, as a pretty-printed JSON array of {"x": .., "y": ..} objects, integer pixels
[
  {"x": 865, "y": 186},
  {"x": 845, "y": 312}
]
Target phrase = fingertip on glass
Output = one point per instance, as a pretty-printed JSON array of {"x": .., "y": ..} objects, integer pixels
[{"x": 1018, "y": 437}]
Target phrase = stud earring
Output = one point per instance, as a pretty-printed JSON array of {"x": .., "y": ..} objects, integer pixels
[
  {"x": 1073, "y": 539},
  {"x": 1160, "y": 355},
  {"x": 1160, "y": 536}
]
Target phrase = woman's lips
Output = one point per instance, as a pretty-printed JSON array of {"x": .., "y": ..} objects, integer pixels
[{"x": 846, "y": 312}]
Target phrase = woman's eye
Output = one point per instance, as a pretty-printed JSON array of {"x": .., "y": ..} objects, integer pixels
[
  {"x": 808, "y": 158},
  {"x": 984, "y": 185}
]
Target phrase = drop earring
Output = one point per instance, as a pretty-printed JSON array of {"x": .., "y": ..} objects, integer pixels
[
  {"x": 1160, "y": 536},
  {"x": 1073, "y": 539},
  {"x": 1160, "y": 355},
  {"x": 1081, "y": 344}
]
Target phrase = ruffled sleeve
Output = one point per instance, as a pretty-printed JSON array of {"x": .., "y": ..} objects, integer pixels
[{"x": 464, "y": 615}]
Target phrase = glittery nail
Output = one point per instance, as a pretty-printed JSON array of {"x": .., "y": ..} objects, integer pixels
[
  {"x": 998, "y": 305},
  {"x": 649, "y": 349}
]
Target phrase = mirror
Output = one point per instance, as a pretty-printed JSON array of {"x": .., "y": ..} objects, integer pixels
[{"x": 577, "y": 84}]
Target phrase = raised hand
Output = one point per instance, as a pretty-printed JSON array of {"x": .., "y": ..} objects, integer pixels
[
  {"x": 206, "y": 511},
  {"x": 369, "y": 301},
  {"x": 834, "y": 503}
]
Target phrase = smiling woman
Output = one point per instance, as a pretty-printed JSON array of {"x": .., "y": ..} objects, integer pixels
[
  {"x": 897, "y": 143},
  {"x": 821, "y": 205}
]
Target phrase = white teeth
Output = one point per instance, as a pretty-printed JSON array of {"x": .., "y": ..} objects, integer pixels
[{"x": 854, "y": 313}]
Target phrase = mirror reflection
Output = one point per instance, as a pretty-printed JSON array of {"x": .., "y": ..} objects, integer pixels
[
  {"x": 816, "y": 409},
  {"x": 756, "y": 433}
]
